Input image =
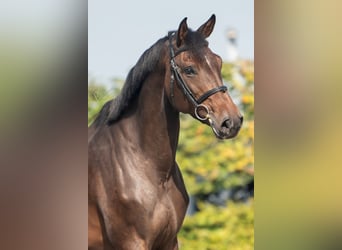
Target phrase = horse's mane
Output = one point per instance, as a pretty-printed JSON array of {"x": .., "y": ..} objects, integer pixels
[{"x": 112, "y": 110}]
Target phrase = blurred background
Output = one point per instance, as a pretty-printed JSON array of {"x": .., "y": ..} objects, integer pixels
[{"x": 219, "y": 175}]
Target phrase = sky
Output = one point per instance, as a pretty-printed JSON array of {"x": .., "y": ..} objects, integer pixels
[{"x": 119, "y": 31}]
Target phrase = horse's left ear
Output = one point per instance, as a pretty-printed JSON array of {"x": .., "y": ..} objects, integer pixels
[{"x": 208, "y": 26}]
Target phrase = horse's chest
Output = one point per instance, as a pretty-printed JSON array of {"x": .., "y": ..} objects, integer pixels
[
  {"x": 161, "y": 209},
  {"x": 165, "y": 215},
  {"x": 167, "y": 219},
  {"x": 153, "y": 212},
  {"x": 159, "y": 214}
]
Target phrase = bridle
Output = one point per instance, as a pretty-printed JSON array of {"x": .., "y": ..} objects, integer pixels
[{"x": 198, "y": 103}]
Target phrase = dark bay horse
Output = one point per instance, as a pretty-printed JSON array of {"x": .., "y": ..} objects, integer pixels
[{"x": 136, "y": 197}]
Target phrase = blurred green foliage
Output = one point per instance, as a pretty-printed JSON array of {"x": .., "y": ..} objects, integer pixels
[
  {"x": 218, "y": 228},
  {"x": 98, "y": 95},
  {"x": 209, "y": 165}
]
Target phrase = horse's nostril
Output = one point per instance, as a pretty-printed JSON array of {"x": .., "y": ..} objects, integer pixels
[
  {"x": 227, "y": 123},
  {"x": 241, "y": 119}
]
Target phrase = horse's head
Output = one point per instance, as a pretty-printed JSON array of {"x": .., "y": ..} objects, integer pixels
[{"x": 196, "y": 85}]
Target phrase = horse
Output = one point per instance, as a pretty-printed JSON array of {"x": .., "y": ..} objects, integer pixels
[{"x": 136, "y": 194}]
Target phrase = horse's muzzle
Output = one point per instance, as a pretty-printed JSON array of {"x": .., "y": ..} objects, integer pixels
[{"x": 229, "y": 128}]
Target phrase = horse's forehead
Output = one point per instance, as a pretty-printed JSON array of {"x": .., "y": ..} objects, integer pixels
[{"x": 200, "y": 56}]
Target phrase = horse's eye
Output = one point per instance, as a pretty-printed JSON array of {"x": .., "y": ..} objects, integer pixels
[{"x": 189, "y": 71}]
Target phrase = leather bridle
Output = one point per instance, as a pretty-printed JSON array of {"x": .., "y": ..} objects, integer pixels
[{"x": 175, "y": 74}]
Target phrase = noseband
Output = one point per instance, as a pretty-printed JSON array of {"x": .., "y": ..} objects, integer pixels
[{"x": 184, "y": 87}]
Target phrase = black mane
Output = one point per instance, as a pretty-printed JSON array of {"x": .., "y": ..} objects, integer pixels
[
  {"x": 113, "y": 109},
  {"x": 146, "y": 63}
]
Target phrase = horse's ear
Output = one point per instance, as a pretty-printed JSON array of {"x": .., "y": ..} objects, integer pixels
[
  {"x": 182, "y": 31},
  {"x": 208, "y": 26}
]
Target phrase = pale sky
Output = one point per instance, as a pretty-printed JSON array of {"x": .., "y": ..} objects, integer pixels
[{"x": 119, "y": 31}]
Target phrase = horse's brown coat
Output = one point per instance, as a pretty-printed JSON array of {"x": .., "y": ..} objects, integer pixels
[{"x": 137, "y": 197}]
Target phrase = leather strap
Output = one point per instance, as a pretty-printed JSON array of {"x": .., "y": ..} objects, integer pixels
[
  {"x": 203, "y": 97},
  {"x": 181, "y": 83}
]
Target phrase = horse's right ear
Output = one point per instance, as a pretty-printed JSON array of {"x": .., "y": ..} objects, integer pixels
[{"x": 182, "y": 31}]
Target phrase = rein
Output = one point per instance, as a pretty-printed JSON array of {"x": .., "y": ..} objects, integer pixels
[{"x": 184, "y": 87}]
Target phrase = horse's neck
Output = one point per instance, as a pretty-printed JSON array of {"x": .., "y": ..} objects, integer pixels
[{"x": 157, "y": 121}]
